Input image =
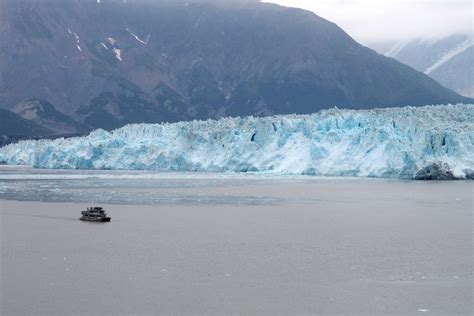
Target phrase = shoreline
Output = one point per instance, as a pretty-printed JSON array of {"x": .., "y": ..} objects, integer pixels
[{"x": 74, "y": 174}]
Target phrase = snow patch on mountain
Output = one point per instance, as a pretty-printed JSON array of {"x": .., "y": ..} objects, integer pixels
[
  {"x": 145, "y": 42},
  {"x": 450, "y": 54},
  {"x": 78, "y": 41},
  {"x": 431, "y": 142},
  {"x": 118, "y": 54},
  {"x": 396, "y": 48},
  {"x": 111, "y": 41}
]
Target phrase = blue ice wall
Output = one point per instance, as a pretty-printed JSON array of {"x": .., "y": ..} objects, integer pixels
[{"x": 409, "y": 142}]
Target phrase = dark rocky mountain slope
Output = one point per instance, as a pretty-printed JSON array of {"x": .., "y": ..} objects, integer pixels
[
  {"x": 12, "y": 124},
  {"x": 45, "y": 114},
  {"x": 111, "y": 62}
]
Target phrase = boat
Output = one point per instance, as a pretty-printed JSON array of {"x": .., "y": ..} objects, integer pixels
[{"x": 94, "y": 214}]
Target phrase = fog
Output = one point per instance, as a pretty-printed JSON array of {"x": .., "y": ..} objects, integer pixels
[{"x": 370, "y": 21}]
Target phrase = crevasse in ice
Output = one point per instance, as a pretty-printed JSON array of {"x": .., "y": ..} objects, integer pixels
[{"x": 431, "y": 142}]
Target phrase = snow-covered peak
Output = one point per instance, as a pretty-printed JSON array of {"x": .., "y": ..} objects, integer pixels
[{"x": 449, "y": 60}]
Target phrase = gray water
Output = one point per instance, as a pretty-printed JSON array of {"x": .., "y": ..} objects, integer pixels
[{"x": 221, "y": 244}]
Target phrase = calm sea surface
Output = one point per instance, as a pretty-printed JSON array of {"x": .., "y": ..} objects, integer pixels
[{"x": 221, "y": 244}]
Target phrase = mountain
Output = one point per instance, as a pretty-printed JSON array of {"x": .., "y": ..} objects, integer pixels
[
  {"x": 431, "y": 142},
  {"x": 106, "y": 63},
  {"x": 12, "y": 124},
  {"x": 449, "y": 60},
  {"x": 45, "y": 114},
  {"x": 36, "y": 119}
]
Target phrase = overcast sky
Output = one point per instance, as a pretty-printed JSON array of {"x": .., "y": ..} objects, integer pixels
[{"x": 373, "y": 20}]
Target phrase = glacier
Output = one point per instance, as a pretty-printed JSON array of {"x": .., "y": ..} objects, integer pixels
[{"x": 430, "y": 142}]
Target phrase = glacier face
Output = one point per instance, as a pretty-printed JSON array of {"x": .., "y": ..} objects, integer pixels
[{"x": 431, "y": 142}]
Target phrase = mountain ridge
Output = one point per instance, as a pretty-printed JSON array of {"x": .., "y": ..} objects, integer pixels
[
  {"x": 115, "y": 62},
  {"x": 449, "y": 59}
]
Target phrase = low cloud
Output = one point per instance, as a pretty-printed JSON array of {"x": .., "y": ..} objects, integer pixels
[{"x": 386, "y": 20}]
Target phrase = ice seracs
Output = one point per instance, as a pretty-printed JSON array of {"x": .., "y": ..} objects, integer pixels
[{"x": 431, "y": 142}]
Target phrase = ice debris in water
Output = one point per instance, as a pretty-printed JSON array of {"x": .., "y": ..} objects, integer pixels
[{"x": 430, "y": 142}]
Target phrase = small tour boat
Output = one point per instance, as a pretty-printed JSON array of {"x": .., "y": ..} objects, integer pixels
[{"x": 95, "y": 214}]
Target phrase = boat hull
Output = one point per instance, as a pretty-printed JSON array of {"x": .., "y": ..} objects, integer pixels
[{"x": 100, "y": 219}]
